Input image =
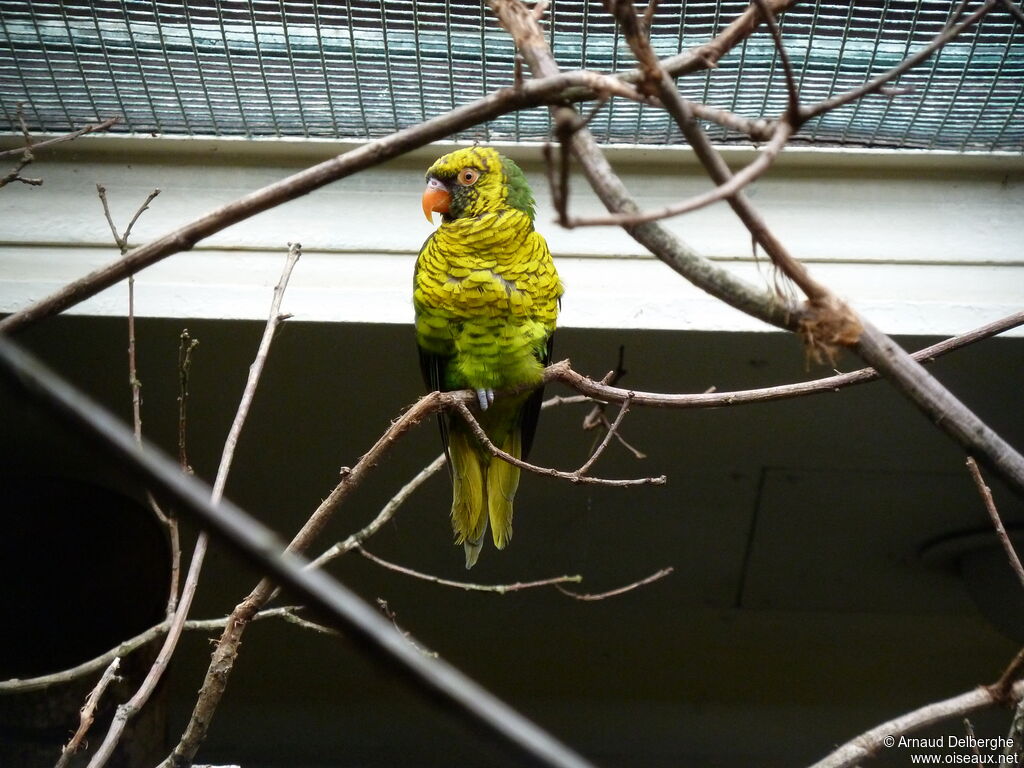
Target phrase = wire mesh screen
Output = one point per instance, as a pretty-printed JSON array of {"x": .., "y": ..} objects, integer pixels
[{"x": 362, "y": 68}]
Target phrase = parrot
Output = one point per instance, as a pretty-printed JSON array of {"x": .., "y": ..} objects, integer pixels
[{"x": 486, "y": 297}]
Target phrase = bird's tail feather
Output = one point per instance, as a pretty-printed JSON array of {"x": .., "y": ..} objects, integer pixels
[
  {"x": 469, "y": 514},
  {"x": 501, "y": 484}
]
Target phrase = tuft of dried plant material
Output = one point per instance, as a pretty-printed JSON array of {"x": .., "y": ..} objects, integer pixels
[{"x": 826, "y": 326}]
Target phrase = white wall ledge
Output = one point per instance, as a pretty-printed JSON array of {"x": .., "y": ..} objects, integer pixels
[{"x": 921, "y": 243}]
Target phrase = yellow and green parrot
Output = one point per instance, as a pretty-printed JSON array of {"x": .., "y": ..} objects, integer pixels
[{"x": 486, "y": 295}]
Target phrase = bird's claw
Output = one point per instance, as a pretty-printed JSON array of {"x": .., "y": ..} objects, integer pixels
[{"x": 485, "y": 397}]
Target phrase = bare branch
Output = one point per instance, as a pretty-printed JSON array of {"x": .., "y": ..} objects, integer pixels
[
  {"x": 274, "y": 320},
  {"x": 997, "y": 522},
  {"x": 880, "y": 82},
  {"x": 755, "y": 169},
  {"x": 563, "y": 372},
  {"x": 620, "y": 590},
  {"x": 88, "y": 713},
  {"x": 572, "y": 477},
  {"x": 16, "y": 685},
  {"x": 500, "y": 589},
  {"x": 824, "y": 322},
  {"x": 559, "y": 88},
  {"x": 186, "y": 346},
  {"x": 386, "y": 513},
  {"x": 613, "y": 430},
  {"x": 869, "y": 743},
  {"x": 91, "y": 128},
  {"x": 219, "y": 671},
  {"x": 793, "y": 92},
  {"x": 26, "y": 156},
  {"x": 127, "y": 711}
]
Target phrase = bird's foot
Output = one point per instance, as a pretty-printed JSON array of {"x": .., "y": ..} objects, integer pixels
[{"x": 485, "y": 397}]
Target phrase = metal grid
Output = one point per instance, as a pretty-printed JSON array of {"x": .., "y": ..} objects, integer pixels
[{"x": 363, "y": 68}]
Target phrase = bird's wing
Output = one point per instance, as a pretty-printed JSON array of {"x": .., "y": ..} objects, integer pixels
[
  {"x": 432, "y": 367},
  {"x": 531, "y": 408}
]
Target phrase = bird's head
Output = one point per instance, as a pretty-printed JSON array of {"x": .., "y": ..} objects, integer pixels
[{"x": 473, "y": 181}]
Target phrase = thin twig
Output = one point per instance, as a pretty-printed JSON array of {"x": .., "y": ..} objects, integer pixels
[
  {"x": 385, "y": 514},
  {"x": 781, "y": 134},
  {"x": 1001, "y": 689},
  {"x": 135, "y": 385},
  {"x": 91, "y": 128},
  {"x": 186, "y": 346},
  {"x": 88, "y": 713},
  {"x": 637, "y": 453},
  {"x": 393, "y": 618},
  {"x": 972, "y": 737},
  {"x": 274, "y": 320},
  {"x": 613, "y": 430},
  {"x": 563, "y": 372},
  {"x": 878, "y": 83},
  {"x": 27, "y": 156},
  {"x": 500, "y": 589},
  {"x": 997, "y": 522},
  {"x": 16, "y": 685},
  {"x": 572, "y": 477},
  {"x": 620, "y": 590},
  {"x": 127, "y": 711},
  {"x": 792, "y": 91}
]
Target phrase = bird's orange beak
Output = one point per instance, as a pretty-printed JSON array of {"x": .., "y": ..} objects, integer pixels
[{"x": 435, "y": 198}]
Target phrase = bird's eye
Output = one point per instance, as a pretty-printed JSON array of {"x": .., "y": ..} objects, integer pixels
[{"x": 468, "y": 176}]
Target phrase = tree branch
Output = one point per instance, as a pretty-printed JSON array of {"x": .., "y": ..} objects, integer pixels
[
  {"x": 127, "y": 711},
  {"x": 825, "y": 322},
  {"x": 563, "y": 372},
  {"x": 869, "y": 743},
  {"x": 386, "y": 513},
  {"x": 573, "y": 477},
  {"x": 619, "y": 590},
  {"x": 91, "y": 128},
  {"x": 878, "y": 83},
  {"x": 88, "y": 713},
  {"x": 997, "y": 522},
  {"x": 500, "y": 589}
]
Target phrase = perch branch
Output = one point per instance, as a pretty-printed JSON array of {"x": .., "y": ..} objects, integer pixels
[
  {"x": 572, "y": 477},
  {"x": 602, "y": 392},
  {"x": 500, "y": 589}
]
